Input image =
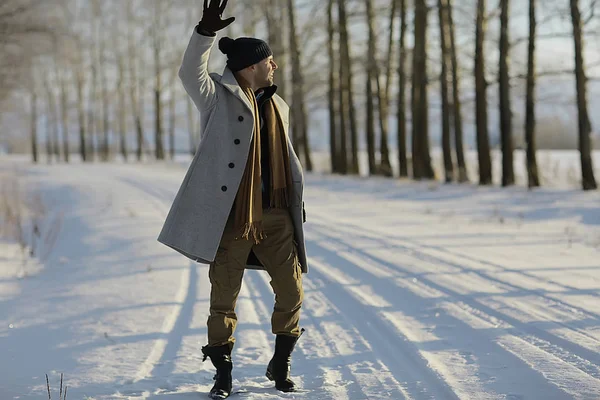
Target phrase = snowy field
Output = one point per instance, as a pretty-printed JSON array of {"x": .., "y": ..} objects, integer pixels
[{"x": 416, "y": 291}]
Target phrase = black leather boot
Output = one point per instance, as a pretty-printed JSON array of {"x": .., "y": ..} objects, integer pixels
[
  {"x": 281, "y": 363},
  {"x": 220, "y": 356}
]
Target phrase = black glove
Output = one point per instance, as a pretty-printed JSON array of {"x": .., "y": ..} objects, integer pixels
[{"x": 211, "y": 21}]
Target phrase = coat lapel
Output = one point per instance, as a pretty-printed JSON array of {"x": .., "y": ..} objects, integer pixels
[
  {"x": 228, "y": 80},
  {"x": 284, "y": 111}
]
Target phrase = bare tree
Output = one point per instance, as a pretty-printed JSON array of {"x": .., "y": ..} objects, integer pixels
[
  {"x": 121, "y": 81},
  {"x": 27, "y": 34},
  {"x": 49, "y": 122},
  {"x": 371, "y": 74},
  {"x": 588, "y": 181},
  {"x": 421, "y": 159},
  {"x": 533, "y": 179},
  {"x": 101, "y": 20},
  {"x": 483, "y": 142},
  {"x": 455, "y": 109},
  {"x": 52, "y": 125},
  {"x": 27, "y": 30},
  {"x": 346, "y": 87},
  {"x": 383, "y": 95},
  {"x": 63, "y": 104},
  {"x": 402, "y": 158},
  {"x": 135, "y": 81},
  {"x": 333, "y": 87},
  {"x": 508, "y": 175},
  {"x": 344, "y": 108},
  {"x": 79, "y": 75},
  {"x": 172, "y": 116},
  {"x": 157, "y": 50},
  {"x": 34, "y": 122},
  {"x": 446, "y": 142},
  {"x": 274, "y": 12},
  {"x": 299, "y": 117}
]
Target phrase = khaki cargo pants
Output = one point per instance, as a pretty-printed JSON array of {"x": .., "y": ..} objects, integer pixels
[{"x": 278, "y": 254}]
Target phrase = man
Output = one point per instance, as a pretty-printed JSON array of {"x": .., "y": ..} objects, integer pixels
[{"x": 240, "y": 204}]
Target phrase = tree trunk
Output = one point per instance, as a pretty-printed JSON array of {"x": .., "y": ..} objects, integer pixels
[
  {"x": 343, "y": 112},
  {"x": 53, "y": 124},
  {"x": 121, "y": 93},
  {"x": 508, "y": 174},
  {"x": 134, "y": 87},
  {"x": 121, "y": 111},
  {"x": 371, "y": 74},
  {"x": 158, "y": 133},
  {"x": 333, "y": 87},
  {"x": 49, "y": 114},
  {"x": 105, "y": 152},
  {"x": 533, "y": 179},
  {"x": 78, "y": 74},
  {"x": 172, "y": 119},
  {"x": 402, "y": 158},
  {"x": 446, "y": 145},
  {"x": 34, "y": 121},
  {"x": 483, "y": 142},
  {"x": 276, "y": 38},
  {"x": 353, "y": 168},
  {"x": 383, "y": 95},
  {"x": 343, "y": 94},
  {"x": 298, "y": 106},
  {"x": 588, "y": 181},
  {"x": 455, "y": 108},
  {"x": 370, "y": 124},
  {"x": 92, "y": 107},
  {"x": 421, "y": 158},
  {"x": 144, "y": 146},
  {"x": 79, "y": 82},
  {"x": 159, "y": 151},
  {"x": 64, "y": 114}
]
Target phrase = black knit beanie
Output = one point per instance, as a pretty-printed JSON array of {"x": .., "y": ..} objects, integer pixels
[{"x": 244, "y": 52}]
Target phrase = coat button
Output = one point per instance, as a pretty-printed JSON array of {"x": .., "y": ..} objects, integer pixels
[
  {"x": 236, "y": 141},
  {"x": 240, "y": 118},
  {"x": 224, "y": 188},
  {"x": 231, "y": 165}
]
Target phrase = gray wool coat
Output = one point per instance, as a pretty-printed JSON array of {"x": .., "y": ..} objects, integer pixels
[{"x": 197, "y": 218}]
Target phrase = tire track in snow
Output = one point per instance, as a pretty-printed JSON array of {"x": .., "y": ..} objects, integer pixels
[
  {"x": 429, "y": 252},
  {"x": 341, "y": 385},
  {"x": 261, "y": 295},
  {"x": 419, "y": 251},
  {"x": 151, "y": 195},
  {"x": 178, "y": 320},
  {"x": 404, "y": 362},
  {"x": 183, "y": 319},
  {"x": 165, "y": 347},
  {"x": 568, "y": 352}
]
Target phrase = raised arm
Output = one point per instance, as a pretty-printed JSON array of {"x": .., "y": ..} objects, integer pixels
[
  {"x": 194, "y": 67},
  {"x": 194, "y": 71}
]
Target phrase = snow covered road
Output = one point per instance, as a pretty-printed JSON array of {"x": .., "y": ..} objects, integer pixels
[{"x": 416, "y": 290}]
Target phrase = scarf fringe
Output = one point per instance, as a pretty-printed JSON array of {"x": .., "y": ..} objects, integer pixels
[
  {"x": 279, "y": 198},
  {"x": 253, "y": 231}
]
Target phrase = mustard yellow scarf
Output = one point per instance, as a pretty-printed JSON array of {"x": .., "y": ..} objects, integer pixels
[{"x": 248, "y": 202}]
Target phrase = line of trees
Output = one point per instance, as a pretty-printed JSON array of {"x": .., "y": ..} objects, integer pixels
[{"x": 107, "y": 74}]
